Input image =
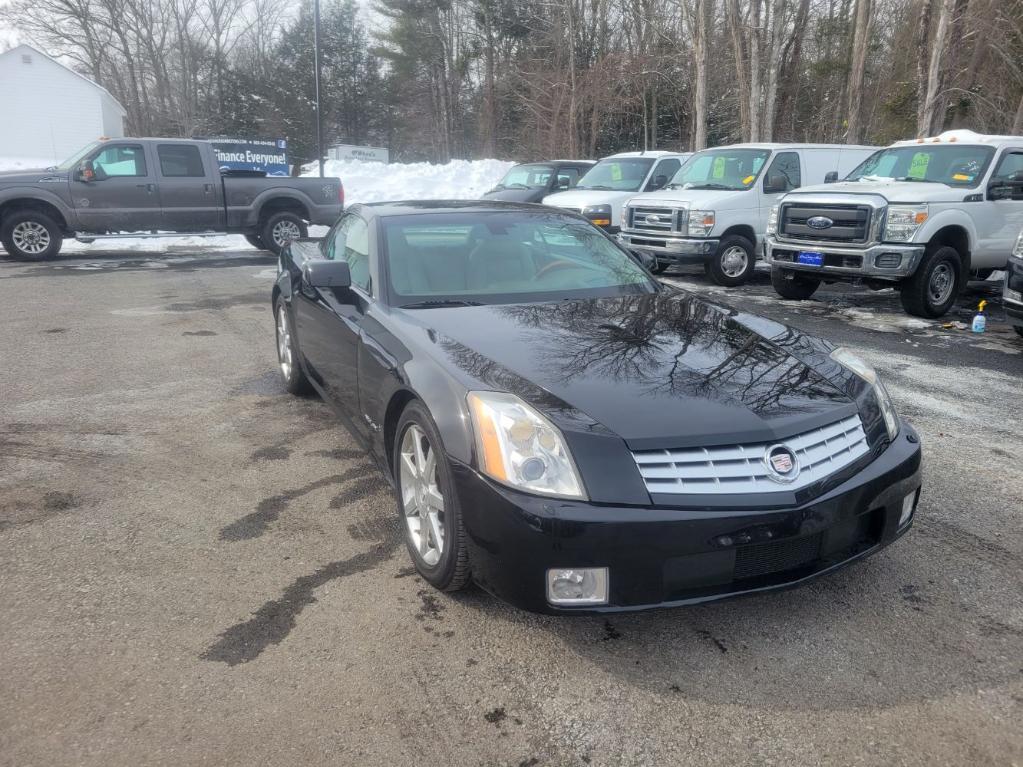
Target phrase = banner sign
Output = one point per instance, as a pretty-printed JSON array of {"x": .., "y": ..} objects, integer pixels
[
  {"x": 352, "y": 152},
  {"x": 270, "y": 155}
]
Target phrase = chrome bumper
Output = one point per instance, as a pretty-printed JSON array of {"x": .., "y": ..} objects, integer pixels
[
  {"x": 670, "y": 248},
  {"x": 848, "y": 261}
]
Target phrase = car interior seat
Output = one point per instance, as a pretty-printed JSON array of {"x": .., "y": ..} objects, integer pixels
[{"x": 498, "y": 262}]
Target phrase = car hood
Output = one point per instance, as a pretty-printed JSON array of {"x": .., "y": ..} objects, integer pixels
[
  {"x": 658, "y": 370},
  {"x": 30, "y": 176},
  {"x": 580, "y": 198},
  {"x": 703, "y": 199},
  {"x": 890, "y": 191},
  {"x": 515, "y": 195}
]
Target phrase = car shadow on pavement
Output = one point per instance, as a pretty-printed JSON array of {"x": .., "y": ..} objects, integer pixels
[{"x": 190, "y": 260}]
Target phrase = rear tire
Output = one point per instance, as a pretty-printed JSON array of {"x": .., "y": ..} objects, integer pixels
[
  {"x": 793, "y": 285},
  {"x": 933, "y": 288},
  {"x": 420, "y": 487},
  {"x": 288, "y": 355},
  {"x": 734, "y": 261},
  {"x": 279, "y": 229},
  {"x": 256, "y": 241},
  {"x": 30, "y": 235}
]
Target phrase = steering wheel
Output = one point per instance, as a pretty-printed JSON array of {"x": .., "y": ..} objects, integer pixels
[{"x": 555, "y": 265}]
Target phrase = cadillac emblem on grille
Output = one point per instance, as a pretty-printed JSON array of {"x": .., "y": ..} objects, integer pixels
[
  {"x": 782, "y": 465},
  {"x": 819, "y": 222}
]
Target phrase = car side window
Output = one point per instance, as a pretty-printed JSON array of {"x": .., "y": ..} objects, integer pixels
[
  {"x": 786, "y": 164},
  {"x": 349, "y": 240},
  {"x": 180, "y": 161},
  {"x": 120, "y": 160},
  {"x": 1010, "y": 172}
]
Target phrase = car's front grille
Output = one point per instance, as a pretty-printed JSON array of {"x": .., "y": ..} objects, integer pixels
[
  {"x": 655, "y": 219},
  {"x": 742, "y": 468},
  {"x": 848, "y": 223}
]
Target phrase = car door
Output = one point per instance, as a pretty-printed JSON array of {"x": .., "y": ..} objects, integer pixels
[
  {"x": 328, "y": 320},
  {"x": 118, "y": 191},
  {"x": 1005, "y": 211},
  {"x": 784, "y": 165},
  {"x": 190, "y": 196}
]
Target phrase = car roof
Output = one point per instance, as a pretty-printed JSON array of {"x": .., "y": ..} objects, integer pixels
[
  {"x": 793, "y": 146},
  {"x": 649, "y": 153},
  {"x": 962, "y": 136},
  {"x": 422, "y": 207},
  {"x": 556, "y": 162}
]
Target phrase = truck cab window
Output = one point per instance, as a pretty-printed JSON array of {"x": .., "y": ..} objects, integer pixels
[
  {"x": 786, "y": 164},
  {"x": 180, "y": 161},
  {"x": 120, "y": 160}
]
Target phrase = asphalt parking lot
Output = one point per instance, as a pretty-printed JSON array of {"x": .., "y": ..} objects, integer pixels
[{"x": 197, "y": 568}]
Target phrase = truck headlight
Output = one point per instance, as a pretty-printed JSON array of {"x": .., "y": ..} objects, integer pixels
[
  {"x": 517, "y": 446},
  {"x": 851, "y": 362},
  {"x": 598, "y": 214},
  {"x": 1017, "y": 249},
  {"x": 701, "y": 222},
  {"x": 903, "y": 221},
  {"x": 772, "y": 221}
]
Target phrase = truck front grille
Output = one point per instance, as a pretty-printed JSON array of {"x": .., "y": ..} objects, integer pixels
[
  {"x": 741, "y": 468},
  {"x": 849, "y": 223},
  {"x": 656, "y": 219}
]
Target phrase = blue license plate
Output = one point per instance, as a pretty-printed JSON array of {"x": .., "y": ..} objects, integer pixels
[{"x": 810, "y": 258}]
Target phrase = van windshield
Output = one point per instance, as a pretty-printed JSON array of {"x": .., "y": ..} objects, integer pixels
[
  {"x": 731, "y": 169},
  {"x": 954, "y": 165},
  {"x": 619, "y": 174}
]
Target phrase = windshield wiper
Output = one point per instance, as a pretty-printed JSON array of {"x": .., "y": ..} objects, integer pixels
[
  {"x": 595, "y": 186},
  {"x": 715, "y": 186},
  {"x": 440, "y": 302},
  {"x": 921, "y": 180}
]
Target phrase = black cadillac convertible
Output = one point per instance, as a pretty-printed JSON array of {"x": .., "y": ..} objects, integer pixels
[{"x": 573, "y": 435}]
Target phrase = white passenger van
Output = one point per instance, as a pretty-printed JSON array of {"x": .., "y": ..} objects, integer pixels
[{"x": 715, "y": 209}]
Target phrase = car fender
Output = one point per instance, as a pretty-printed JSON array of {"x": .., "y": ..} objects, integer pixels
[
  {"x": 948, "y": 217},
  {"x": 40, "y": 195},
  {"x": 276, "y": 193}
]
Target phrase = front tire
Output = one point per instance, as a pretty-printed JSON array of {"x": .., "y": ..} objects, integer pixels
[
  {"x": 288, "y": 363},
  {"x": 933, "y": 288},
  {"x": 427, "y": 503},
  {"x": 793, "y": 285},
  {"x": 279, "y": 229},
  {"x": 733, "y": 263},
  {"x": 29, "y": 235}
]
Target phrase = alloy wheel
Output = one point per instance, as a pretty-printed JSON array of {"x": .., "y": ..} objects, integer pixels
[
  {"x": 284, "y": 353},
  {"x": 284, "y": 232},
  {"x": 30, "y": 237},
  {"x": 421, "y": 498}
]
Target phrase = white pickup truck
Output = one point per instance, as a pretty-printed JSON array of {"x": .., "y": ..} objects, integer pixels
[
  {"x": 715, "y": 209},
  {"x": 919, "y": 216}
]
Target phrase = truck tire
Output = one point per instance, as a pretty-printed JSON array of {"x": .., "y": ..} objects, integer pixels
[
  {"x": 30, "y": 235},
  {"x": 793, "y": 285},
  {"x": 256, "y": 241},
  {"x": 733, "y": 263},
  {"x": 281, "y": 228},
  {"x": 933, "y": 288}
]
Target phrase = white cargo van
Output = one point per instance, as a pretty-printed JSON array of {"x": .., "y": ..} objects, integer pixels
[
  {"x": 715, "y": 209},
  {"x": 600, "y": 194},
  {"x": 919, "y": 216}
]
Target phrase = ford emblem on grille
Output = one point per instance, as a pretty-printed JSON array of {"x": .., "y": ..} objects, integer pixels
[
  {"x": 653, "y": 218},
  {"x": 781, "y": 463},
  {"x": 820, "y": 222}
]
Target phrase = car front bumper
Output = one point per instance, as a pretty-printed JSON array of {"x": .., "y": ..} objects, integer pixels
[
  {"x": 663, "y": 557},
  {"x": 681, "y": 250},
  {"x": 896, "y": 260}
]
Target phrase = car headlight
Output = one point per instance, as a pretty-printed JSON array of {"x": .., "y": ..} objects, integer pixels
[
  {"x": 903, "y": 221},
  {"x": 853, "y": 363},
  {"x": 517, "y": 446},
  {"x": 701, "y": 222},
  {"x": 772, "y": 221},
  {"x": 598, "y": 214},
  {"x": 1017, "y": 250}
]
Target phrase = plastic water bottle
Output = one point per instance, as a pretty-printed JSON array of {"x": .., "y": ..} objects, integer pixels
[{"x": 979, "y": 320}]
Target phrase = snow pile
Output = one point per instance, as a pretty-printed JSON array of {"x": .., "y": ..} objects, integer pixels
[
  {"x": 376, "y": 182},
  {"x": 23, "y": 163}
]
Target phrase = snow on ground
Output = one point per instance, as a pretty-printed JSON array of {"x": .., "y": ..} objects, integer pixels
[{"x": 363, "y": 182}]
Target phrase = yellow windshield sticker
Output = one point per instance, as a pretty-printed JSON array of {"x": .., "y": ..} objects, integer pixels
[
  {"x": 960, "y": 177},
  {"x": 616, "y": 172},
  {"x": 748, "y": 180}
]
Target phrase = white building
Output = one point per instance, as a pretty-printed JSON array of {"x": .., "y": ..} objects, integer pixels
[{"x": 50, "y": 111}]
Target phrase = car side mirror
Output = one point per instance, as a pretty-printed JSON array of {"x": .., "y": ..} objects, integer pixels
[
  {"x": 562, "y": 183},
  {"x": 327, "y": 274},
  {"x": 774, "y": 183},
  {"x": 831, "y": 177},
  {"x": 1001, "y": 190},
  {"x": 86, "y": 171},
  {"x": 659, "y": 182}
]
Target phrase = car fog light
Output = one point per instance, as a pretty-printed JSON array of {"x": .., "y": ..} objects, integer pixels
[
  {"x": 577, "y": 586},
  {"x": 908, "y": 505}
]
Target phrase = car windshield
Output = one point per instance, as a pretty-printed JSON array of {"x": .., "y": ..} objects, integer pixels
[
  {"x": 472, "y": 257},
  {"x": 620, "y": 174},
  {"x": 526, "y": 177},
  {"x": 734, "y": 169},
  {"x": 76, "y": 158},
  {"x": 951, "y": 164}
]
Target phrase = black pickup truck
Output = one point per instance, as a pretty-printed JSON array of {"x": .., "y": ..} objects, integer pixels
[{"x": 131, "y": 186}]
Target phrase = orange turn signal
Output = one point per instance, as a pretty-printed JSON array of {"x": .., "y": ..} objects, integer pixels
[
  {"x": 601, "y": 221},
  {"x": 491, "y": 459}
]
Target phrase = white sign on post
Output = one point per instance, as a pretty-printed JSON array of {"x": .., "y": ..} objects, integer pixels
[{"x": 364, "y": 153}]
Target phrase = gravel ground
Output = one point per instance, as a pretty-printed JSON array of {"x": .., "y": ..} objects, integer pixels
[{"x": 200, "y": 569}]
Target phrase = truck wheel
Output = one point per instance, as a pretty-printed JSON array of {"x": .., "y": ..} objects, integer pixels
[
  {"x": 256, "y": 241},
  {"x": 280, "y": 229},
  {"x": 792, "y": 285},
  {"x": 932, "y": 289},
  {"x": 28, "y": 235},
  {"x": 733, "y": 263}
]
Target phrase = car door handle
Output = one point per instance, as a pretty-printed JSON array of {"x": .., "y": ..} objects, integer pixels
[
  {"x": 148, "y": 187},
  {"x": 207, "y": 188}
]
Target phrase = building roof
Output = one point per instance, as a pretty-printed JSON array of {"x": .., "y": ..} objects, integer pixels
[{"x": 19, "y": 49}]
